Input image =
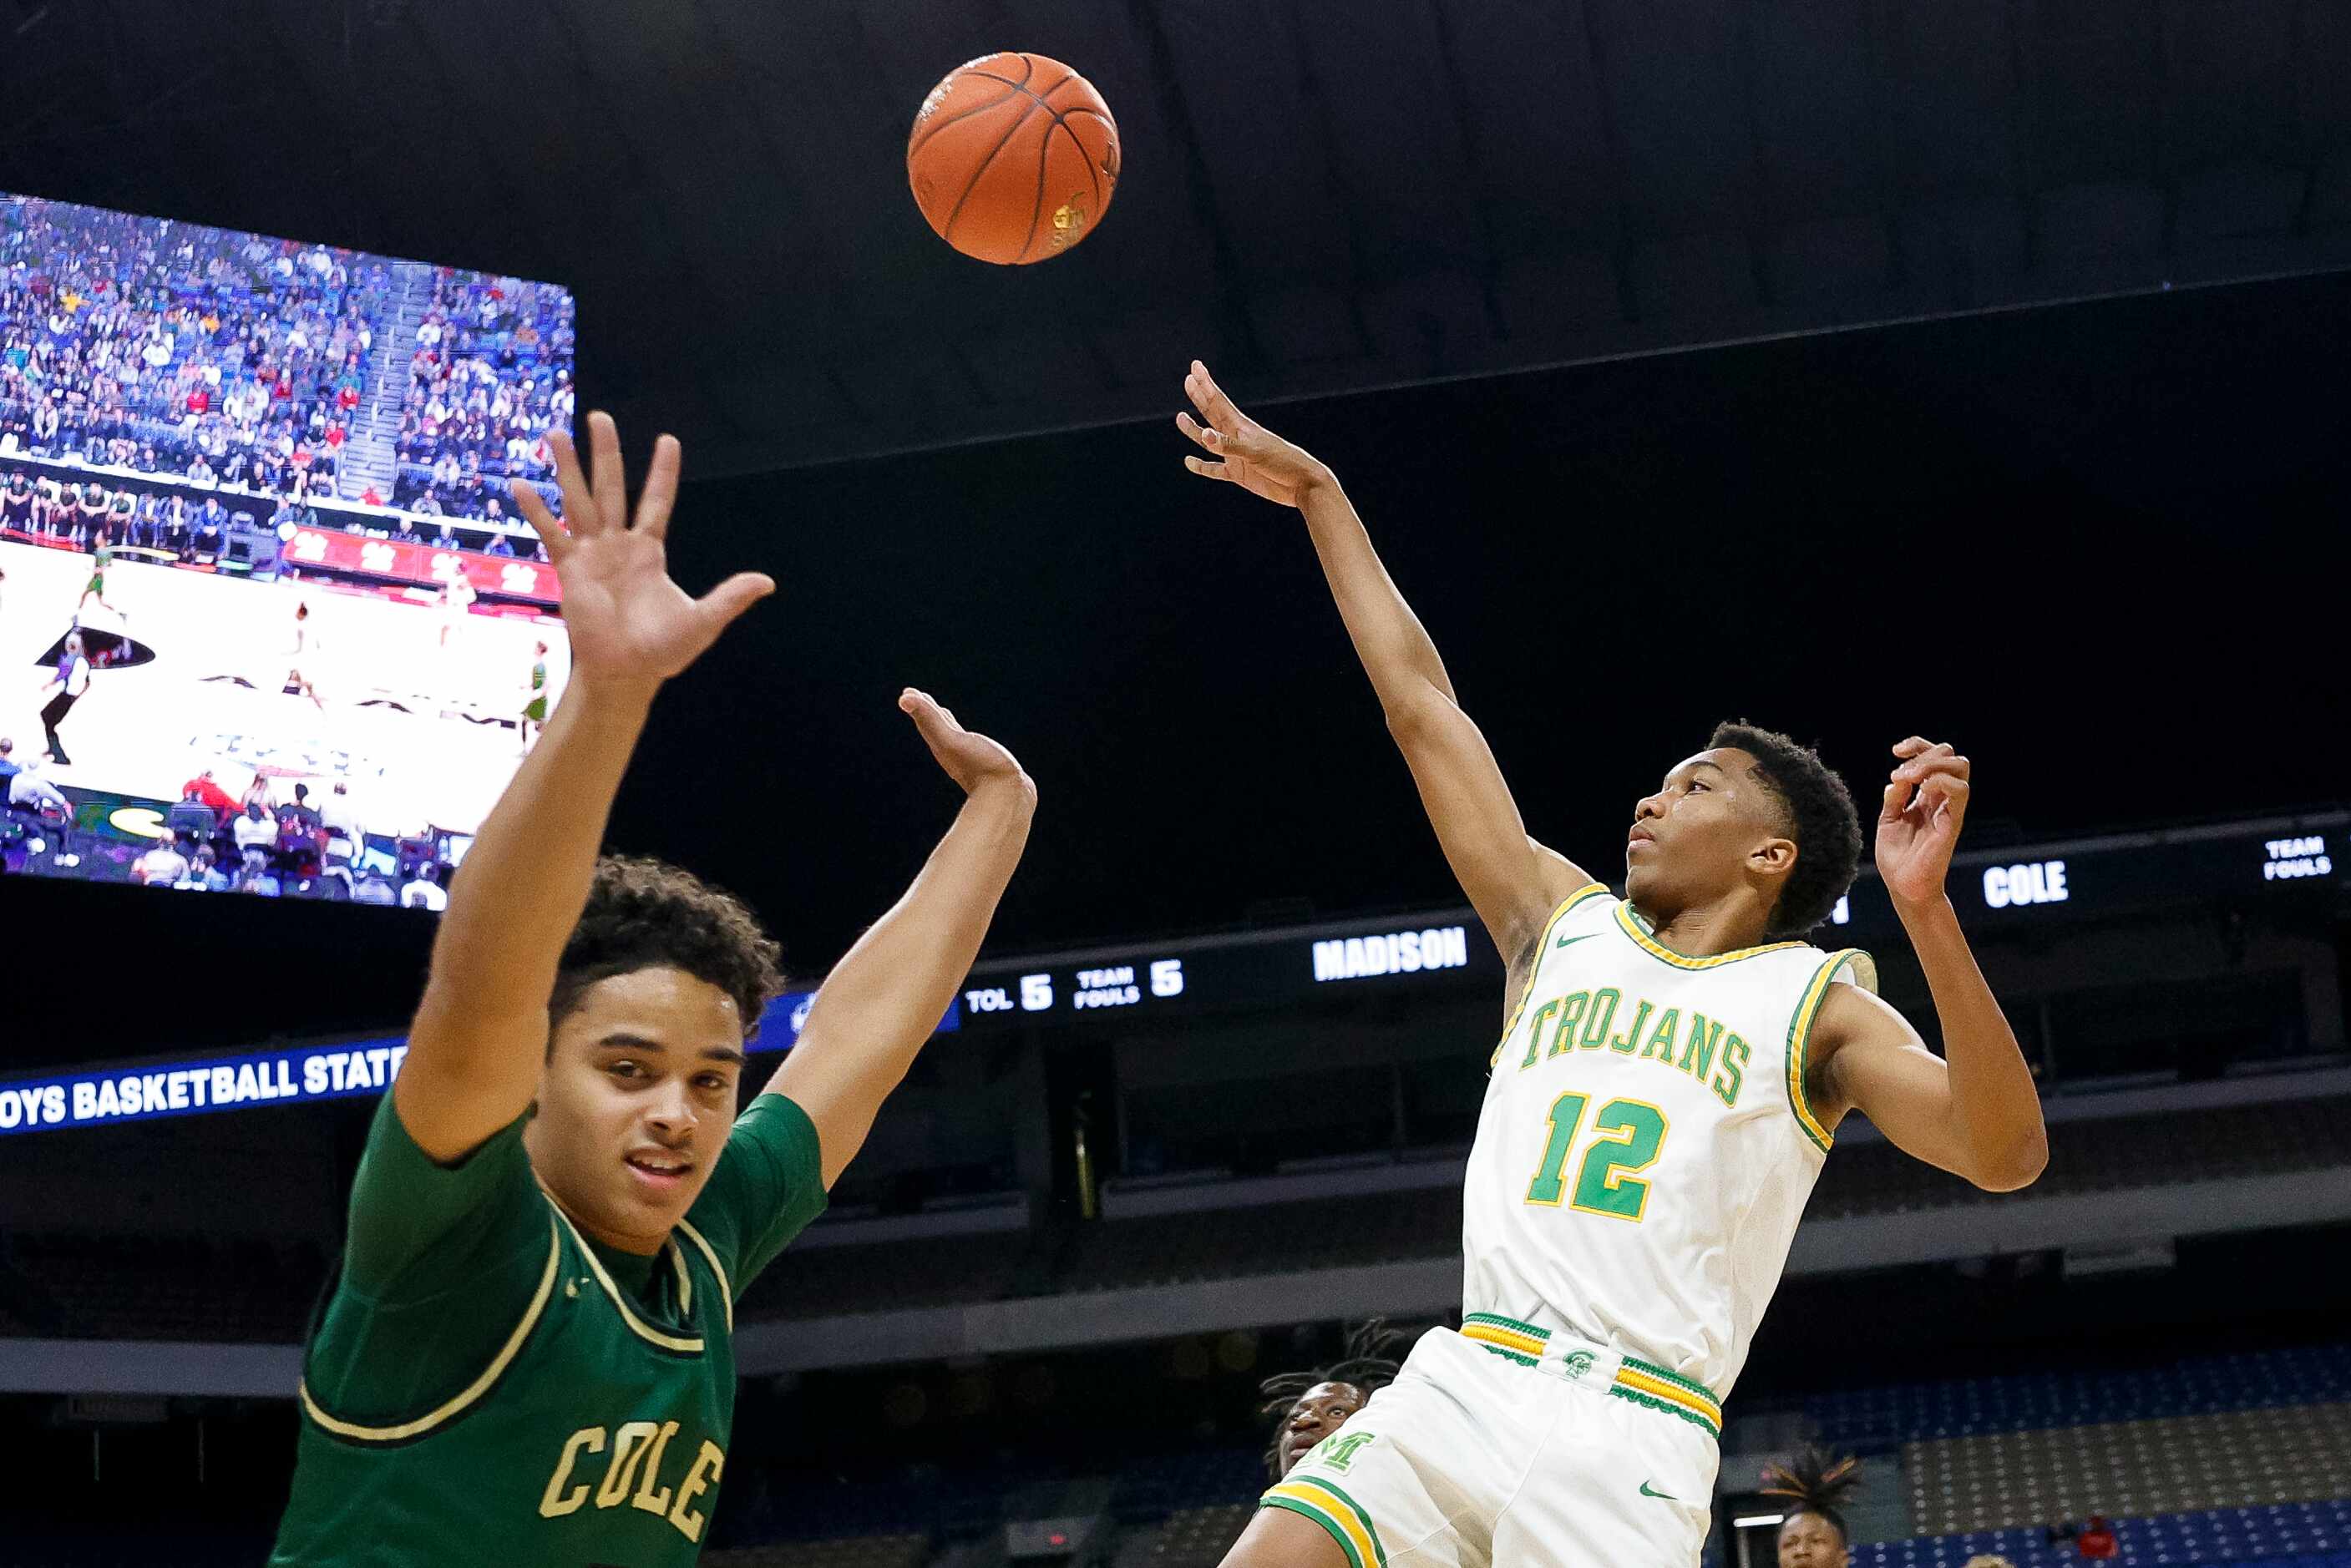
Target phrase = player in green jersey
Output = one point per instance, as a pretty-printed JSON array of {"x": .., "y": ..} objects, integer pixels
[
  {"x": 527, "y": 1358},
  {"x": 534, "y": 713},
  {"x": 101, "y": 558}
]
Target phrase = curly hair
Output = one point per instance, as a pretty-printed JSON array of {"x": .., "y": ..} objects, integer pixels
[
  {"x": 644, "y": 913},
  {"x": 1813, "y": 1483},
  {"x": 1367, "y": 1361},
  {"x": 1821, "y": 819}
]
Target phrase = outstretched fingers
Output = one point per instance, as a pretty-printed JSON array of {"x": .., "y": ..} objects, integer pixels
[
  {"x": 739, "y": 593},
  {"x": 654, "y": 505},
  {"x": 550, "y": 528},
  {"x": 1205, "y": 435},
  {"x": 1210, "y": 399},
  {"x": 607, "y": 475},
  {"x": 578, "y": 501}
]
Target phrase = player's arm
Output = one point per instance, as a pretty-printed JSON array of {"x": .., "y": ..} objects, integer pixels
[
  {"x": 1973, "y": 1111},
  {"x": 885, "y": 998},
  {"x": 1513, "y": 881},
  {"x": 480, "y": 1033}
]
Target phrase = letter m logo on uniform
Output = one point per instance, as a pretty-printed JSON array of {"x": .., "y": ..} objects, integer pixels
[{"x": 1339, "y": 1451}]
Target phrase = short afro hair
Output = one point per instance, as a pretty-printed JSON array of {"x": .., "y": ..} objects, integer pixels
[
  {"x": 648, "y": 914},
  {"x": 1821, "y": 819}
]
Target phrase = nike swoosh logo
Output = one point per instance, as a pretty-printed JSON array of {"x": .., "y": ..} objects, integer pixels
[
  {"x": 1563, "y": 941},
  {"x": 1646, "y": 1491}
]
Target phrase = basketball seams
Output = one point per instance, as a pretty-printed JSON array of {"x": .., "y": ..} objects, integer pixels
[
  {"x": 947, "y": 232},
  {"x": 1012, "y": 87},
  {"x": 1061, "y": 115},
  {"x": 957, "y": 117},
  {"x": 1044, "y": 156},
  {"x": 1092, "y": 174}
]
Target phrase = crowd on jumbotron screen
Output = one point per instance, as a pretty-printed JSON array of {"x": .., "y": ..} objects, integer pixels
[
  {"x": 230, "y": 359},
  {"x": 246, "y": 364},
  {"x": 276, "y": 841},
  {"x": 490, "y": 376}
]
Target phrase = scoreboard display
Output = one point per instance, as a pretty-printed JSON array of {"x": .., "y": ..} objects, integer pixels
[
  {"x": 2243, "y": 864},
  {"x": 2272, "y": 864}
]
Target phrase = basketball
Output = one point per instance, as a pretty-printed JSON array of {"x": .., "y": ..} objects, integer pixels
[{"x": 1013, "y": 158}]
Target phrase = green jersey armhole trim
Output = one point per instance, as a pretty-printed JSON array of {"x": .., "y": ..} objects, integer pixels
[
  {"x": 1800, "y": 1035},
  {"x": 684, "y": 1279},
  {"x": 1579, "y": 896},
  {"x": 354, "y": 1432},
  {"x": 637, "y": 1326},
  {"x": 710, "y": 1253}
]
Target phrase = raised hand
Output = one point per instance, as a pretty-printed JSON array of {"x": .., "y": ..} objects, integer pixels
[
  {"x": 1925, "y": 802},
  {"x": 1254, "y": 458},
  {"x": 628, "y": 622},
  {"x": 971, "y": 760}
]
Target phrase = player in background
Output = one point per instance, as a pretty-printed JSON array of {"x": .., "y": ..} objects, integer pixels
[
  {"x": 527, "y": 1355},
  {"x": 533, "y": 722},
  {"x": 1812, "y": 1533},
  {"x": 306, "y": 651},
  {"x": 102, "y": 558},
  {"x": 63, "y": 510},
  {"x": 1672, "y": 1069},
  {"x": 456, "y": 602},
  {"x": 1311, "y": 1406},
  {"x": 16, "y": 500}
]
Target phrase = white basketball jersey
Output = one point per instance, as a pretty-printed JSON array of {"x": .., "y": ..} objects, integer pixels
[{"x": 1645, "y": 1149}]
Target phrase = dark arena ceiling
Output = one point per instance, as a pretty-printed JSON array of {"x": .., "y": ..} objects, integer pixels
[{"x": 1318, "y": 195}]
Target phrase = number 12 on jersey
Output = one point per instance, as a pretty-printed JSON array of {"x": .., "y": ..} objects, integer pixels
[{"x": 1627, "y": 1137}]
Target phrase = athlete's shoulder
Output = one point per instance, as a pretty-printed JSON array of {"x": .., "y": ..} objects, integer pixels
[
  {"x": 1854, "y": 966},
  {"x": 1594, "y": 903}
]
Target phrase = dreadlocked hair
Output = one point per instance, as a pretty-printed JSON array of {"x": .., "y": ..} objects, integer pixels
[
  {"x": 1367, "y": 1360},
  {"x": 1821, "y": 819},
  {"x": 1813, "y": 1482},
  {"x": 644, "y": 913}
]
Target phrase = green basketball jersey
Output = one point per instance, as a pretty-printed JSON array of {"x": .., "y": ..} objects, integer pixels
[{"x": 486, "y": 1384}]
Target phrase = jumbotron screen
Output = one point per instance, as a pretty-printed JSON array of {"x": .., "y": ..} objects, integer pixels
[{"x": 273, "y": 625}]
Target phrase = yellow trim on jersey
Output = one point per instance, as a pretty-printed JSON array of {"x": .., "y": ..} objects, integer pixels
[
  {"x": 1541, "y": 946},
  {"x": 1677, "y": 1392},
  {"x": 473, "y": 1391},
  {"x": 1800, "y": 1038},
  {"x": 1335, "y": 1512},
  {"x": 1631, "y": 926},
  {"x": 726, "y": 1285},
  {"x": 1512, "y": 1340},
  {"x": 637, "y": 1326},
  {"x": 684, "y": 1280}
]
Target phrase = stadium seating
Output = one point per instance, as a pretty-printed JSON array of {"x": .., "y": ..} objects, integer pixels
[
  {"x": 2231, "y": 1458},
  {"x": 2284, "y": 1535},
  {"x": 166, "y": 1288},
  {"x": 1875, "y": 1419},
  {"x": 116, "y": 1545},
  {"x": 2106, "y": 1155},
  {"x": 1202, "y": 1478},
  {"x": 814, "y": 1281},
  {"x": 1193, "y": 1538},
  {"x": 901, "y": 1550}
]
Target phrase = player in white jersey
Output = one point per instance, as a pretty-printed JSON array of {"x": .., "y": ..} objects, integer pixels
[{"x": 1671, "y": 1072}]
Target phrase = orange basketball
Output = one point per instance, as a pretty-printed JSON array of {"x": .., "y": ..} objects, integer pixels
[{"x": 1013, "y": 158}]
